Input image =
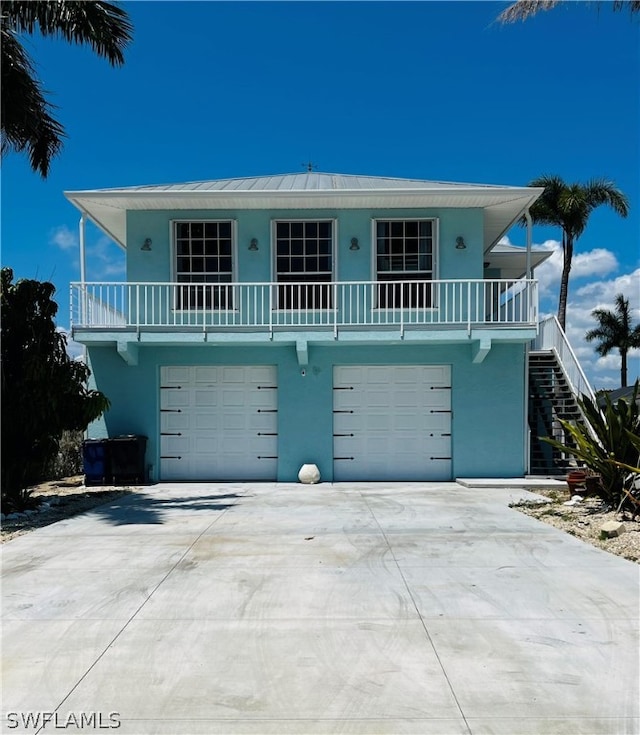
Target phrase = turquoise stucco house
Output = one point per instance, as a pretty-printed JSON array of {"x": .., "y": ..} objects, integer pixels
[{"x": 372, "y": 326}]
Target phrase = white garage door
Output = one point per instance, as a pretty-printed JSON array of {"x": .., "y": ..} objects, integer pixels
[
  {"x": 392, "y": 422},
  {"x": 218, "y": 423}
]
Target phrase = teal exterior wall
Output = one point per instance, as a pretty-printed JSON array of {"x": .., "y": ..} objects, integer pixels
[
  {"x": 349, "y": 265},
  {"x": 488, "y": 436},
  {"x": 488, "y": 397}
]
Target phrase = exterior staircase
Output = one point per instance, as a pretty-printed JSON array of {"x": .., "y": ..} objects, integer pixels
[{"x": 556, "y": 380}]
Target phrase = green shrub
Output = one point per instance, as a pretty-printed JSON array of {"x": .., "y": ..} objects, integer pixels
[{"x": 608, "y": 445}]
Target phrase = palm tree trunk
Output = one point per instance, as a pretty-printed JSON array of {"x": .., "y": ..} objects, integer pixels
[
  {"x": 623, "y": 368},
  {"x": 567, "y": 252}
]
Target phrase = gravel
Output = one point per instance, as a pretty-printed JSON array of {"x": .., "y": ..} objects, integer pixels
[{"x": 584, "y": 519}]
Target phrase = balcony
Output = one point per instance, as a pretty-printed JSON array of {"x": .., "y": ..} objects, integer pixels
[{"x": 334, "y": 306}]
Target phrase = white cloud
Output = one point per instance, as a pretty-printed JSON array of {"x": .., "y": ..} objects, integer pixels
[
  {"x": 589, "y": 289},
  {"x": 603, "y": 372},
  {"x": 604, "y": 292},
  {"x": 105, "y": 260},
  {"x": 64, "y": 238},
  {"x": 74, "y": 349},
  {"x": 548, "y": 274},
  {"x": 596, "y": 262}
]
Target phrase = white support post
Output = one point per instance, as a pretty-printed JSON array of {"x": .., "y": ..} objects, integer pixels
[
  {"x": 83, "y": 270},
  {"x": 527, "y": 217},
  {"x": 83, "y": 265}
]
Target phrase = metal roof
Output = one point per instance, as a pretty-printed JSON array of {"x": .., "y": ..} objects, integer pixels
[
  {"x": 503, "y": 205},
  {"x": 310, "y": 181},
  {"x": 511, "y": 260}
]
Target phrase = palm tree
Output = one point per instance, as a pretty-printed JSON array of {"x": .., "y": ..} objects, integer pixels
[
  {"x": 569, "y": 206},
  {"x": 27, "y": 120},
  {"x": 615, "y": 332},
  {"x": 523, "y": 9}
]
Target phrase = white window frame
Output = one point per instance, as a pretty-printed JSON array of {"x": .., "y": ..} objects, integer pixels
[
  {"x": 274, "y": 258},
  {"x": 435, "y": 254},
  {"x": 173, "y": 238}
]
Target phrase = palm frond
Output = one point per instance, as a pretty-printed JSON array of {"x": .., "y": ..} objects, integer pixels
[
  {"x": 103, "y": 26},
  {"x": 633, "y": 6},
  {"x": 524, "y": 9},
  {"x": 602, "y": 191},
  {"x": 27, "y": 122},
  {"x": 545, "y": 210}
]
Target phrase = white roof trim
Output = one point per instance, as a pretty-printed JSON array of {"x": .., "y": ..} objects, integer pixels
[{"x": 503, "y": 205}]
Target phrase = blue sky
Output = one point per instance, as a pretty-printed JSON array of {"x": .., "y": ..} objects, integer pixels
[{"x": 432, "y": 90}]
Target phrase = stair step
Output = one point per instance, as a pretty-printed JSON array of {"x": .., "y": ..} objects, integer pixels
[{"x": 551, "y": 399}]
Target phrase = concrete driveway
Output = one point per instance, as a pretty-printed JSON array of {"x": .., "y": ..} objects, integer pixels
[{"x": 352, "y": 608}]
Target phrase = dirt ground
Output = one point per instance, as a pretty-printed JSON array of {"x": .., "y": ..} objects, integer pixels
[
  {"x": 68, "y": 497},
  {"x": 583, "y": 520}
]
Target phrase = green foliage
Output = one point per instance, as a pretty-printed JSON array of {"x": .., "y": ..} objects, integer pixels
[
  {"x": 569, "y": 206},
  {"x": 609, "y": 445},
  {"x": 44, "y": 391},
  {"x": 615, "y": 331}
]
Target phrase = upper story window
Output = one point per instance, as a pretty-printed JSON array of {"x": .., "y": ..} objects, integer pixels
[
  {"x": 304, "y": 256},
  {"x": 405, "y": 252},
  {"x": 204, "y": 255}
]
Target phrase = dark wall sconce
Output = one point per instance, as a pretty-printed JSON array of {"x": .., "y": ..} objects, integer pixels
[
  {"x": 146, "y": 245},
  {"x": 354, "y": 244},
  {"x": 460, "y": 244},
  {"x": 253, "y": 245}
]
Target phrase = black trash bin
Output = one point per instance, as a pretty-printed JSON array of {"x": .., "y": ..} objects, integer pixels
[
  {"x": 128, "y": 459},
  {"x": 96, "y": 462}
]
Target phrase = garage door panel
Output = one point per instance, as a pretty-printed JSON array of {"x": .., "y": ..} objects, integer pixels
[
  {"x": 233, "y": 374},
  {"x": 176, "y": 444},
  {"x": 259, "y": 445},
  {"x": 172, "y": 469},
  {"x": 204, "y": 397},
  {"x": 205, "y": 374},
  {"x": 204, "y": 443},
  {"x": 174, "y": 421},
  {"x": 174, "y": 398},
  {"x": 406, "y": 424},
  {"x": 175, "y": 375},
  {"x": 234, "y": 422},
  {"x": 233, "y": 397},
  {"x": 261, "y": 374},
  {"x": 349, "y": 373},
  {"x": 227, "y": 416},
  {"x": 393, "y": 421},
  {"x": 264, "y": 399},
  {"x": 261, "y": 422},
  {"x": 203, "y": 421}
]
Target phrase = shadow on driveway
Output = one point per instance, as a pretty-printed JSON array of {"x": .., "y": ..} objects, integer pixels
[{"x": 143, "y": 508}]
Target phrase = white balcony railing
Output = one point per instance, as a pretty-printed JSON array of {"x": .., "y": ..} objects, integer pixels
[{"x": 269, "y": 306}]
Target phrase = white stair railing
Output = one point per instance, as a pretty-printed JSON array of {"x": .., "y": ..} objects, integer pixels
[{"x": 551, "y": 337}]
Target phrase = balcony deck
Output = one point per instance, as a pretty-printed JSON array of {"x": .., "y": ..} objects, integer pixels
[{"x": 336, "y": 307}]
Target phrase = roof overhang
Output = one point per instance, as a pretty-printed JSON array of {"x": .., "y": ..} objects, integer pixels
[
  {"x": 512, "y": 261},
  {"x": 502, "y": 206}
]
